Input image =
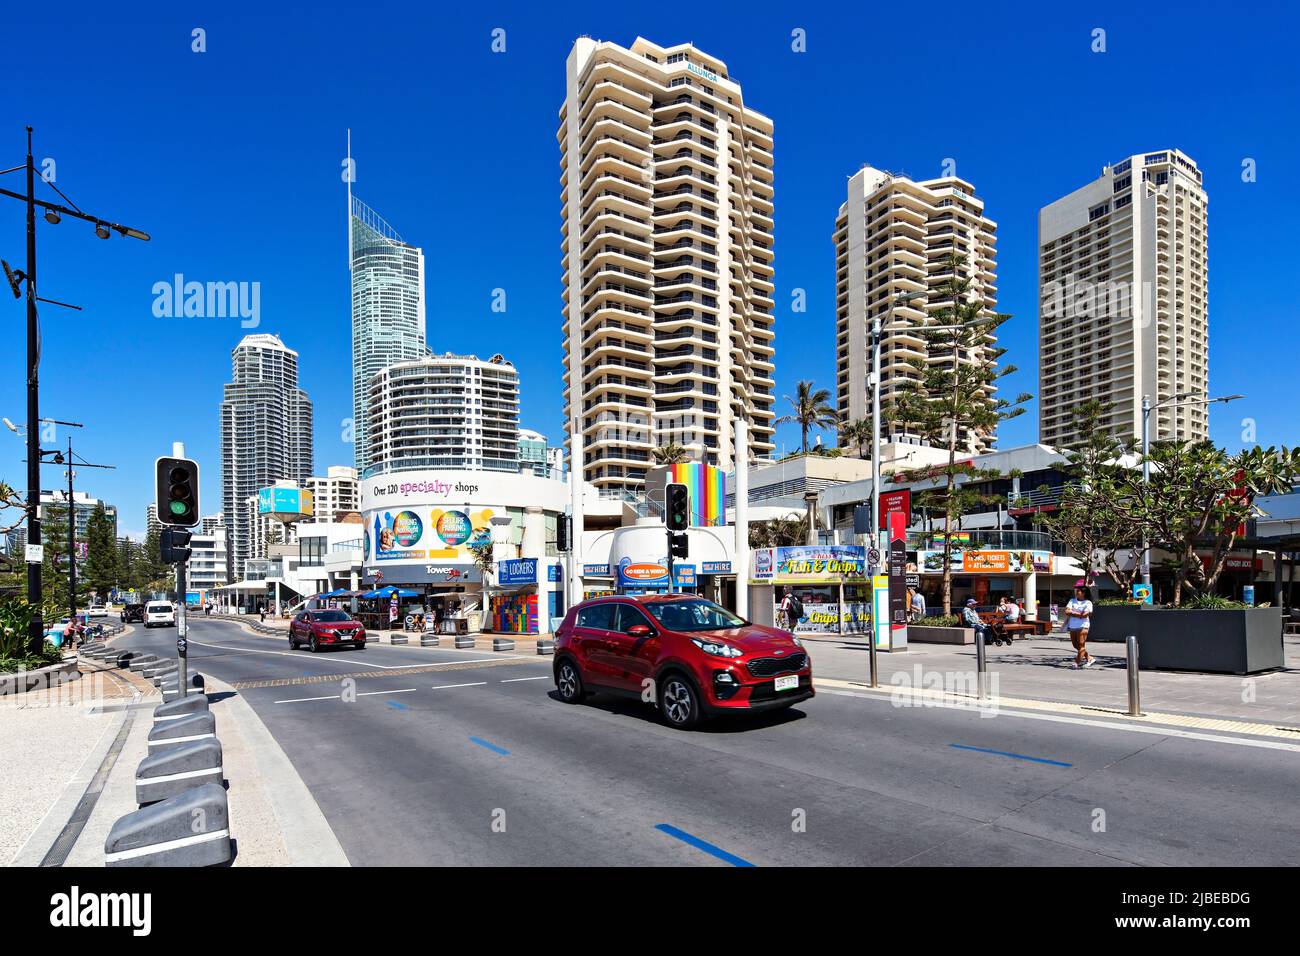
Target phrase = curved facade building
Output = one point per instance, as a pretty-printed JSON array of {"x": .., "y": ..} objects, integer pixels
[
  {"x": 444, "y": 411},
  {"x": 667, "y": 238},
  {"x": 387, "y": 308}
]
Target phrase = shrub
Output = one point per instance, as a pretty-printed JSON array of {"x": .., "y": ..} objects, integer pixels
[
  {"x": 1212, "y": 602},
  {"x": 940, "y": 620}
]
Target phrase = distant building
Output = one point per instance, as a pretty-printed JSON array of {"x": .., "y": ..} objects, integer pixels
[
  {"x": 266, "y": 430},
  {"x": 537, "y": 457},
  {"x": 445, "y": 411},
  {"x": 335, "y": 493},
  {"x": 207, "y": 564},
  {"x": 84, "y": 505}
]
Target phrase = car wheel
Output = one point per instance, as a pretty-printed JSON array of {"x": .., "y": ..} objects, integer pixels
[
  {"x": 315, "y": 647},
  {"x": 361, "y": 646},
  {"x": 678, "y": 702},
  {"x": 293, "y": 645},
  {"x": 568, "y": 682}
]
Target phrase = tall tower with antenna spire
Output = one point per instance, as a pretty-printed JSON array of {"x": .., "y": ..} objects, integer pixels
[{"x": 387, "y": 304}]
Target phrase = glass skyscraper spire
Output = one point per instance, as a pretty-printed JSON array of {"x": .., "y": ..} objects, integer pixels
[{"x": 387, "y": 308}]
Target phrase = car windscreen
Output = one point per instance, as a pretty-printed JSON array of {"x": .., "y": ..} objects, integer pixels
[
  {"x": 694, "y": 614},
  {"x": 330, "y": 617}
]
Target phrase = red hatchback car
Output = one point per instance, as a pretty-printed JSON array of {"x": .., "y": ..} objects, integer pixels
[
  {"x": 686, "y": 653},
  {"x": 327, "y": 628}
]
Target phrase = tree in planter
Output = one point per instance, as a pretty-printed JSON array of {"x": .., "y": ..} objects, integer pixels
[
  {"x": 941, "y": 401},
  {"x": 812, "y": 409},
  {"x": 1088, "y": 521},
  {"x": 1200, "y": 495}
]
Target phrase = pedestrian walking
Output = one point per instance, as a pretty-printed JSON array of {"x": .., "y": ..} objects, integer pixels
[
  {"x": 1078, "y": 615},
  {"x": 791, "y": 610},
  {"x": 262, "y": 613},
  {"x": 918, "y": 605}
]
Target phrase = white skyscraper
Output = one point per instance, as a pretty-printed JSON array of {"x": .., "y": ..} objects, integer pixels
[
  {"x": 894, "y": 237},
  {"x": 666, "y": 191},
  {"x": 387, "y": 308},
  {"x": 266, "y": 430},
  {"x": 1122, "y": 291}
]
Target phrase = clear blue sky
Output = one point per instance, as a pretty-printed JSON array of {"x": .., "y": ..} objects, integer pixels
[{"x": 231, "y": 159}]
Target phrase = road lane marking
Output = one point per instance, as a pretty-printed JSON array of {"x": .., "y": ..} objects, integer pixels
[
  {"x": 516, "y": 680},
  {"x": 450, "y": 686},
  {"x": 397, "y": 705},
  {"x": 339, "y": 696},
  {"x": 699, "y": 844},
  {"x": 315, "y": 657},
  {"x": 488, "y": 745},
  {"x": 411, "y": 670},
  {"x": 1007, "y": 753}
]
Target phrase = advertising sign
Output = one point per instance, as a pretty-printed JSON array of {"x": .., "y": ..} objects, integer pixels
[
  {"x": 285, "y": 501},
  {"x": 895, "y": 502},
  {"x": 715, "y": 567},
  {"x": 517, "y": 571},
  {"x": 827, "y": 618},
  {"x": 820, "y": 561},
  {"x": 418, "y": 533},
  {"x": 597, "y": 569},
  {"x": 1142, "y": 592},
  {"x": 641, "y": 573},
  {"x": 985, "y": 561},
  {"x": 897, "y": 525},
  {"x": 763, "y": 565}
]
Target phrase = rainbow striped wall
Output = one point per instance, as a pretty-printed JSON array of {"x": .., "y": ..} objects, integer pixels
[{"x": 708, "y": 485}]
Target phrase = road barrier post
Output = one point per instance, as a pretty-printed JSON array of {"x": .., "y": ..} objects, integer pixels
[
  {"x": 1134, "y": 691},
  {"x": 981, "y": 665}
]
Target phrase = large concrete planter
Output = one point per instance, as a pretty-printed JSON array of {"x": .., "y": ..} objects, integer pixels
[
  {"x": 922, "y": 634},
  {"x": 1114, "y": 622},
  {"x": 1244, "y": 641},
  {"x": 40, "y": 678}
]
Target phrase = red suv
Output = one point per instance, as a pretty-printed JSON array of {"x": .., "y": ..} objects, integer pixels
[
  {"x": 694, "y": 657},
  {"x": 326, "y": 628}
]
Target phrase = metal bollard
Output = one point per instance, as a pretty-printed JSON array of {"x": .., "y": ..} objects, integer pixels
[
  {"x": 1134, "y": 691},
  {"x": 875, "y": 674},
  {"x": 981, "y": 664}
]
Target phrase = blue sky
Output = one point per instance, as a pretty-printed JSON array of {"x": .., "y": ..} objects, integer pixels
[{"x": 231, "y": 159}]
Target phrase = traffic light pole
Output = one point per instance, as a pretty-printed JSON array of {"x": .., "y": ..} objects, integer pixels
[
  {"x": 182, "y": 644},
  {"x": 670, "y": 561}
]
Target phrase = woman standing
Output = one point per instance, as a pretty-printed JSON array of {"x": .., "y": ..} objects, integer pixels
[{"x": 1078, "y": 615}]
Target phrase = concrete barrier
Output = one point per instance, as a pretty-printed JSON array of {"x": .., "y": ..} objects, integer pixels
[
  {"x": 177, "y": 769},
  {"x": 183, "y": 707},
  {"x": 139, "y": 662},
  {"x": 429, "y": 640},
  {"x": 500, "y": 644},
  {"x": 464, "y": 641},
  {"x": 183, "y": 730},
  {"x": 545, "y": 647},
  {"x": 398, "y": 639},
  {"x": 189, "y": 829}
]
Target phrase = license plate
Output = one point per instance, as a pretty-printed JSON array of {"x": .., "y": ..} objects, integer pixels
[{"x": 786, "y": 683}]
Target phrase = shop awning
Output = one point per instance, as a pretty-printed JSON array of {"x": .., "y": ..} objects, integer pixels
[{"x": 246, "y": 587}]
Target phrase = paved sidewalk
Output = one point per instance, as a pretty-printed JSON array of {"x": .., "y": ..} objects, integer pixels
[{"x": 1036, "y": 668}]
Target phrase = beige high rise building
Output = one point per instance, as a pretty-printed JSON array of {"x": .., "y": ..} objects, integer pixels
[
  {"x": 1122, "y": 285},
  {"x": 894, "y": 237},
  {"x": 666, "y": 181}
]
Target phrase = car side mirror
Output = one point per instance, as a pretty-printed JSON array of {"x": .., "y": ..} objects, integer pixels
[{"x": 639, "y": 630}]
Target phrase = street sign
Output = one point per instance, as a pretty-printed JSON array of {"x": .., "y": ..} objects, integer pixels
[
  {"x": 873, "y": 558},
  {"x": 35, "y": 553},
  {"x": 182, "y": 646}
]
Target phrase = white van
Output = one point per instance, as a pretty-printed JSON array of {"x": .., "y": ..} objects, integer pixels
[{"x": 160, "y": 613}]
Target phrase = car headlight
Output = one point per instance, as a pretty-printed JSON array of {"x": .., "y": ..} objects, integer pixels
[
  {"x": 797, "y": 642},
  {"x": 717, "y": 649}
]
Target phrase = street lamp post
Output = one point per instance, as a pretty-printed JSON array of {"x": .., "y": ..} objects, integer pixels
[
  {"x": 53, "y": 213},
  {"x": 900, "y": 299},
  {"x": 1173, "y": 401}
]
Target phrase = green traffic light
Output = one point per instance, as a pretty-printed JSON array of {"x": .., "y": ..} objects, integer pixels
[{"x": 179, "y": 507}]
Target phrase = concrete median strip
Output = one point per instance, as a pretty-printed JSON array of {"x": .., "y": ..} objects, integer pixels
[
  {"x": 176, "y": 769},
  {"x": 165, "y": 834},
  {"x": 188, "y": 729}
]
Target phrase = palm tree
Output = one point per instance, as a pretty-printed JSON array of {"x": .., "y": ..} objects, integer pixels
[
  {"x": 671, "y": 454},
  {"x": 857, "y": 433},
  {"x": 812, "y": 409}
]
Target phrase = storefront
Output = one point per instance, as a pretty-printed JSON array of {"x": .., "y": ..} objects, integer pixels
[
  {"x": 515, "y": 604},
  {"x": 830, "y": 581},
  {"x": 985, "y": 575}
]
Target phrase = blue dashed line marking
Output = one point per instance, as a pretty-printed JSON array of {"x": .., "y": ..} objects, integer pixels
[
  {"x": 488, "y": 745},
  {"x": 1004, "y": 753},
  {"x": 699, "y": 844}
]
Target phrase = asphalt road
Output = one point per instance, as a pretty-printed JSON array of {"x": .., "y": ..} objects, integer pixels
[{"x": 471, "y": 760}]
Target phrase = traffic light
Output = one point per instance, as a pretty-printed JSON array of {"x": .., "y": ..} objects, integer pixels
[
  {"x": 679, "y": 545},
  {"x": 174, "y": 546},
  {"x": 562, "y": 533},
  {"x": 178, "y": 492},
  {"x": 677, "y": 507}
]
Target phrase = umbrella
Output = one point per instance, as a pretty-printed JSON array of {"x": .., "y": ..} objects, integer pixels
[{"x": 339, "y": 592}]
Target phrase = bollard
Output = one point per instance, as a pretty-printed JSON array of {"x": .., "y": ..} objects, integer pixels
[
  {"x": 463, "y": 641},
  {"x": 182, "y": 707},
  {"x": 545, "y": 647},
  {"x": 177, "y": 769},
  {"x": 184, "y": 730},
  {"x": 396, "y": 638},
  {"x": 1134, "y": 691},
  {"x": 874, "y": 661},
  {"x": 980, "y": 664},
  {"x": 189, "y": 829},
  {"x": 428, "y": 640},
  {"x": 139, "y": 662},
  {"x": 499, "y": 644}
]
